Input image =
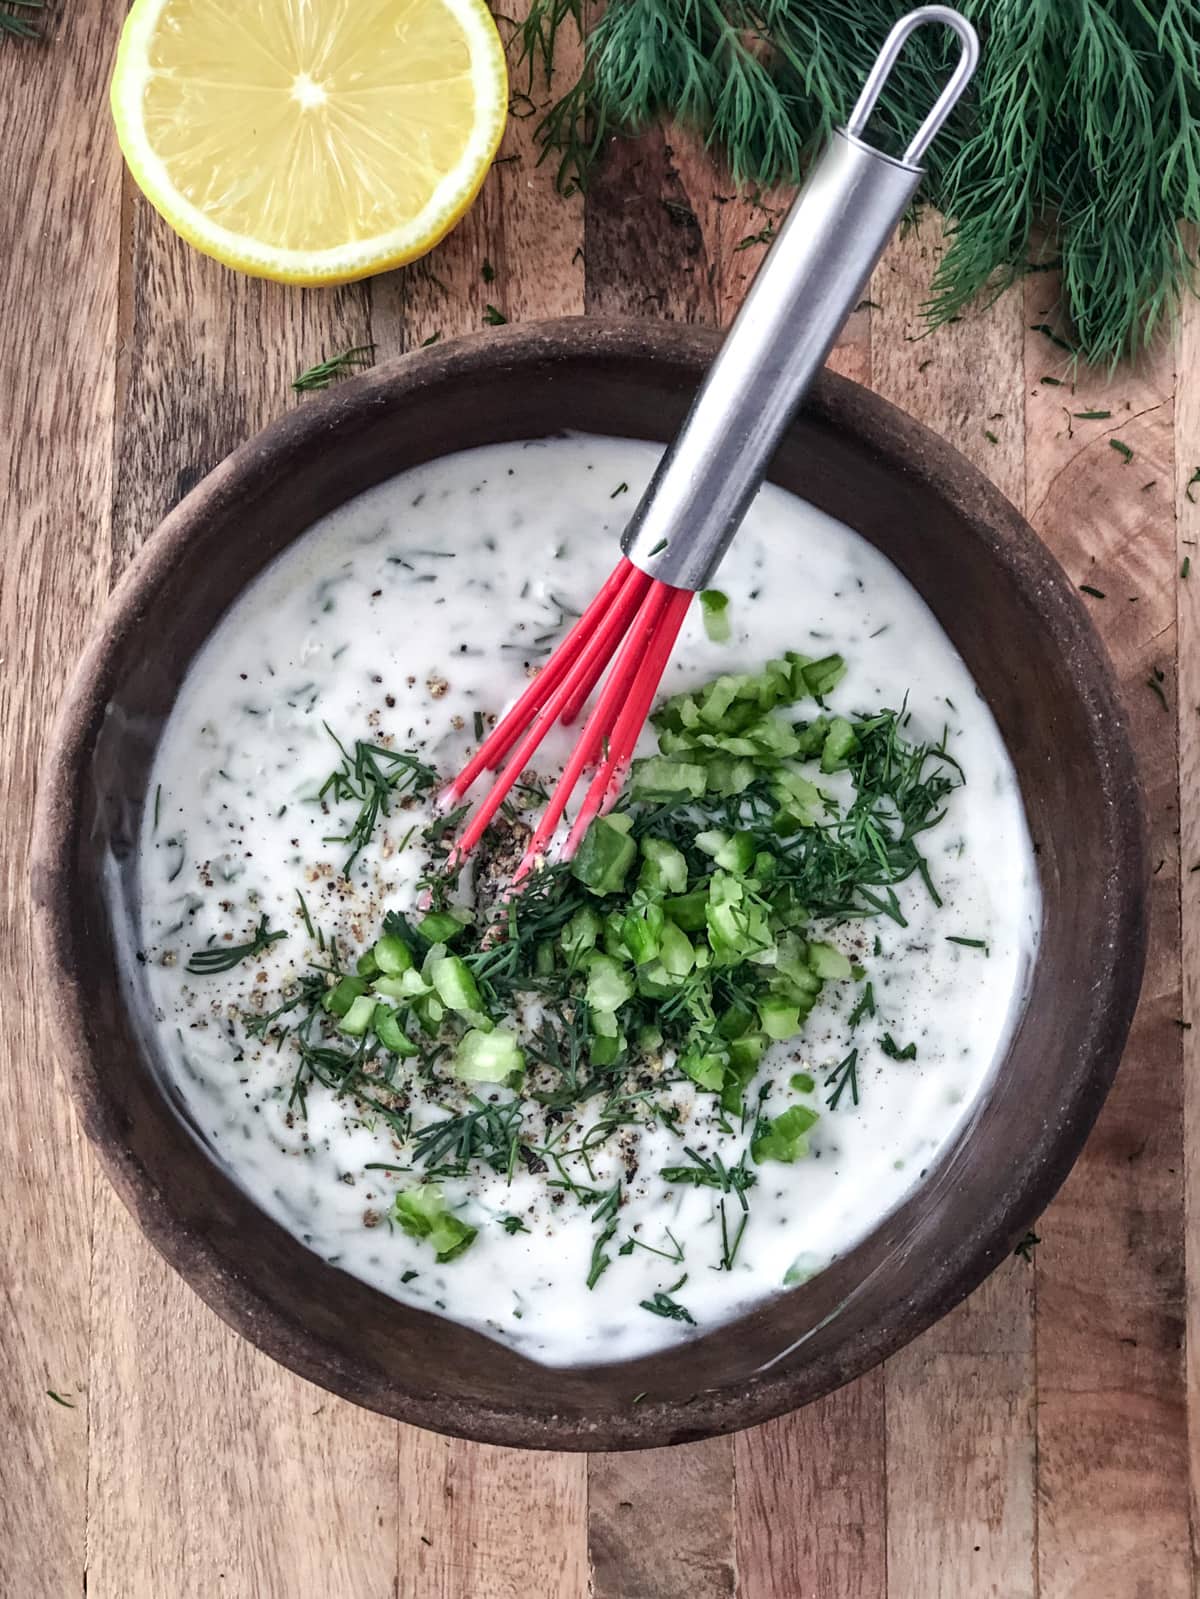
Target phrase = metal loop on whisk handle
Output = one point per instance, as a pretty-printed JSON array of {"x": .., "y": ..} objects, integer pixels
[{"x": 810, "y": 281}]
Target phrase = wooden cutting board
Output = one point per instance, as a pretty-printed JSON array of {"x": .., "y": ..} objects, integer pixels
[{"x": 1040, "y": 1440}]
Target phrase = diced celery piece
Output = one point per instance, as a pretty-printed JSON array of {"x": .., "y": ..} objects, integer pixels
[
  {"x": 675, "y": 950},
  {"x": 839, "y": 741},
  {"x": 581, "y": 932},
  {"x": 797, "y": 802},
  {"x": 392, "y": 955},
  {"x": 660, "y": 777},
  {"x": 704, "y": 1067},
  {"x": 828, "y": 962},
  {"x": 605, "y": 856},
  {"x": 664, "y": 870},
  {"x": 714, "y": 608},
  {"x": 689, "y": 911},
  {"x": 737, "y": 854},
  {"x": 655, "y": 982},
  {"x": 739, "y": 1018},
  {"x": 605, "y": 1024},
  {"x": 494, "y": 1057},
  {"x": 342, "y": 995},
  {"x": 779, "y": 1019},
  {"x": 389, "y": 1030},
  {"x": 743, "y": 1063},
  {"x": 440, "y": 927},
  {"x": 641, "y": 930},
  {"x": 649, "y": 1039},
  {"x": 366, "y": 965},
  {"x": 785, "y": 1137},
  {"x": 609, "y": 984},
  {"x": 822, "y": 676},
  {"x": 728, "y": 775},
  {"x": 422, "y": 1212},
  {"x": 456, "y": 986},
  {"x": 543, "y": 958},
  {"x": 737, "y": 921},
  {"x": 802, "y": 1082},
  {"x": 358, "y": 1018},
  {"x": 429, "y": 1011},
  {"x": 711, "y": 840},
  {"x": 606, "y": 1051}
]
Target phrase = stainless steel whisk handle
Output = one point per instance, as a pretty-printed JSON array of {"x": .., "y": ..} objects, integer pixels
[{"x": 811, "y": 279}]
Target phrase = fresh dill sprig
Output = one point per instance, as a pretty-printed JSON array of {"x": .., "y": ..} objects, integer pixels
[
  {"x": 15, "y": 21},
  {"x": 216, "y": 958},
  {"x": 844, "y": 1075},
  {"x": 371, "y": 776},
  {"x": 1081, "y": 115},
  {"x": 663, "y": 1304},
  {"x": 487, "y": 1133},
  {"x": 605, "y": 1214},
  {"x": 337, "y": 366},
  {"x": 706, "y": 1172}
]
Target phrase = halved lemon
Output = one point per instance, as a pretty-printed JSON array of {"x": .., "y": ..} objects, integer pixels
[{"x": 310, "y": 141}]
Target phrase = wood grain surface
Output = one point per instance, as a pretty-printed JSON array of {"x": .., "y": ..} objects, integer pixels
[{"x": 1043, "y": 1442}]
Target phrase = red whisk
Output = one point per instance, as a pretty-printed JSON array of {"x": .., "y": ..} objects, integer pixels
[{"x": 806, "y": 287}]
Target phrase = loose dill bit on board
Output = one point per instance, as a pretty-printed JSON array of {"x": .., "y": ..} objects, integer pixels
[
  {"x": 337, "y": 366},
  {"x": 216, "y": 958},
  {"x": 1122, "y": 449},
  {"x": 1027, "y": 1246},
  {"x": 22, "y": 19}
]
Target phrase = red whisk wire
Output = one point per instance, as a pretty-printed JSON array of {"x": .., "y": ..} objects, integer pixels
[
  {"x": 510, "y": 727},
  {"x": 633, "y": 622},
  {"x": 590, "y": 660},
  {"x": 606, "y": 784}
]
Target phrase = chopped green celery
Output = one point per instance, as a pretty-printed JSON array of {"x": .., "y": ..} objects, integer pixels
[
  {"x": 704, "y": 1067},
  {"x": 612, "y": 936},
  {"x": 727, "y": 775},
  {"x": 714, "y": 607},
  {"x": 429, "y": 1011},
  {"x": 765, "y": 866},
  {"x": 357, "y": 1019},
  {"x": 797, "y": 802},
  {"x": 609, "y": 984},
  {"x": 342, "y": 995},
  {"x": 737, "y": 921},
  {"x": 494, "y": 1057},
  {"x": 392, "y": 955},
  {"x": 802, "y": 1082},
  {"x": 543, "y": 958},
  {"x": 581, "y": 932},
  {"x": 784, "y": 1138},
  {"x": 606, "y": 1051},
  {"x": 791, "y": 957},
  {"x": 820, "y": 677},
  {"x": 605, "y": 1023},
  {"x": 737, "y": 854},
  {"x": 739, "y": 1018},
  {"x": 711, "y": 841},
  {"x": 641, "y": 929},
  {"x": 656, "y": 982},
  {"x": 826, "y": 961},
  {"x": 717, "y": 697},
  {"x": 675, "y": 950},
  {"x": 839, "y": 741},
  {"x": 439, "y": 927},
  {"x": 366, "y": 965},
  {"x": 659, "y": 777},
  {"x": 779, "y": 1019},
  {"x": 664, "y": 870},
  {"x": 605, "y": 855},
  {"x": 455, "y": 984},
  {"x": 689, "y": 911},
  {"x": 744, "y": 1056},
  {"x": 422, "y": 1212},
  {"x": 812, "y": 737},
  {"x": 409, "y": 985},
  {"x": 389, "y": 1030},
  {"x": 649, "y": 1040}
]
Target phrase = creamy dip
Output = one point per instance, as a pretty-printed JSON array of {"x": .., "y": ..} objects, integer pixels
[{"x": 397, "y": 620}]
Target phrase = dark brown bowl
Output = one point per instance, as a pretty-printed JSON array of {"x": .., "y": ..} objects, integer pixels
[{"x": 1025, "y": 637}]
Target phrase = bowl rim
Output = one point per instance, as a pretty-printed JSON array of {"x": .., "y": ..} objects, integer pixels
[{"x": 1052, "y": 1148}]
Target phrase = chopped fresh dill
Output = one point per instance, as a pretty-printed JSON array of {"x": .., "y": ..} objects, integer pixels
[
  {"x": 844, "y": 1075},
  {"x": 371, "y": 777},
  {"x": 337, "y": 366},
  {"x": 216, "y": 958}
]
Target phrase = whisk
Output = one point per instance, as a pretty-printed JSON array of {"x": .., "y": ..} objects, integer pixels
[{"x": 813, "y": 275}]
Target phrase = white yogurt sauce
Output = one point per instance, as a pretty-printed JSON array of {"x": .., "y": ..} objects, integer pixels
[{"x": 399, "y": 617}]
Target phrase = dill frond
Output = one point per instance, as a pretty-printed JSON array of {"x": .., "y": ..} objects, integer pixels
[{"x": 1084, "y": 121}]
